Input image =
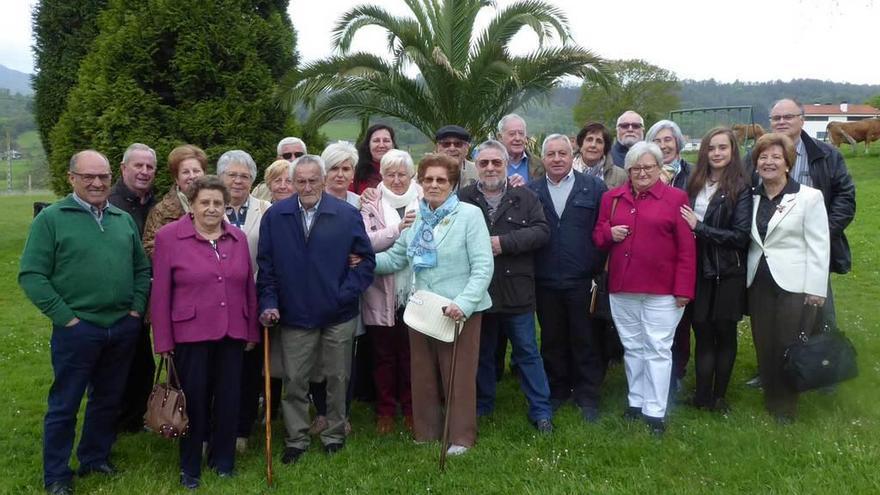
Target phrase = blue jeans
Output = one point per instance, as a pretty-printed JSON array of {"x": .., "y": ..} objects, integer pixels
[
  {"x": 86, "y": 356},
  {"x": 520, "y": 329}
]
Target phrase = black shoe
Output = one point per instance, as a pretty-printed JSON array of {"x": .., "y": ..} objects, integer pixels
[
  {"x": 189, "y": 482},
  {"x": 60, "y": 488},
  {"x": 783, "y": 419},
  {"x": 590, "y": 414},
  {"x": 632, "y": 413},
  {"x": 699, "y": 404},
  {"x": 100, "y": 468},
  {"x": 656, "y": 425},
  {"x": 332, "y": 448},
  {"x": 544, "y": 426},
  {"x": 721, "y": 406},
  {"x": 291, "y": 455}
]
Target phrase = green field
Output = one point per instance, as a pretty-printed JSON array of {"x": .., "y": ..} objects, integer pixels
[{"x": 833, "y": 448}]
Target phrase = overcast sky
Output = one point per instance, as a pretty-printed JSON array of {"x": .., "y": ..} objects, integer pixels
[{"x": 749, "y": 40}]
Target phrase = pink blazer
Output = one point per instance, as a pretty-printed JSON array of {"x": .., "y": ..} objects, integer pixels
[
  {"x": 198, "y": 296},
  {"x": 378, "y": 301}
]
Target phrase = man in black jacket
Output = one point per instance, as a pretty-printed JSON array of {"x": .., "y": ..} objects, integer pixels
[
  {"x": 630, "y": 130},
  {"x": 822, "y": 167},
  {"x": 517, "y": 228},
  {"x": 563, "y": 274}
]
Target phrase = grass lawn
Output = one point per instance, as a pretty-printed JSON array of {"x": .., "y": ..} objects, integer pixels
[{"x": 833, "y": 448}]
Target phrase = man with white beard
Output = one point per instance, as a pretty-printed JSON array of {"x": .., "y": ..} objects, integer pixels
[{"x": 630, "y": 130}]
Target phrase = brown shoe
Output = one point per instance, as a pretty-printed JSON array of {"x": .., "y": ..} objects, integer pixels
[
  {"x": 384, "y": 425},
  {"x": 318, "y": 425},
  {"x": 409, "y": 424}
]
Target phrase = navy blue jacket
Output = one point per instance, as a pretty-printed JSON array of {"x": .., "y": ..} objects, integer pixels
[
  {"x": 309, "y": 281},
  {"x": 569, "y": 259}
]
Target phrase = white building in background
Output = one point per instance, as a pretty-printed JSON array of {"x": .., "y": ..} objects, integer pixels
[{"x": 817, "y": 116}]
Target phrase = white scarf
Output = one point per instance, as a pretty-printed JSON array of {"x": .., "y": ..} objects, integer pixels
[
  {"x": 388, "y": 207},
  {"x": 399, "y": 201}
]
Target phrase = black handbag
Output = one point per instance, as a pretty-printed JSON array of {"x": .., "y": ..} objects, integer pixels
[
  {"x": 600, "y": 305},
  {"x": 819, "y": 360}
]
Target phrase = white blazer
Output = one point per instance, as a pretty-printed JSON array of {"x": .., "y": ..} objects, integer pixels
[
  {"x": 797, "y": 245},
  {"x": 251, "y": 228}
]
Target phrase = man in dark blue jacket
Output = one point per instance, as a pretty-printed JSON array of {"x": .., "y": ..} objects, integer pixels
[
  {"x": 306, "y": 284},
  {"x": 564, "y": 268}
]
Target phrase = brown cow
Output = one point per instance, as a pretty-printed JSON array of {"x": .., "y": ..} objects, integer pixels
[
  {"x": 747, "y": 131},
  {"x": 859, "y": 131}
]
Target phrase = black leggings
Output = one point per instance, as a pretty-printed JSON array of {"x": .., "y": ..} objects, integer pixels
[{"x": 715, "y": 355}]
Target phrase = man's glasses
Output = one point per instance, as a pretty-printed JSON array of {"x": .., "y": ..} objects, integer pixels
[
  {"x": 452, "y": 143},
  {"x": 787, "y": 117},
  {"x": 89, "y": 178},
  {"x": 629, "y": 125},
  {"x": 289, "y": 155}
]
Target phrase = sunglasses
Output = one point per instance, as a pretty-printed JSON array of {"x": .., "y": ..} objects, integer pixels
[
  {"x": 289, "y": 155},
  {"x": 629, "y": 125}
]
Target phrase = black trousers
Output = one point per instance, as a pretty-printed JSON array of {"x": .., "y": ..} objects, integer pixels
[
  {"x": 681, "y": 345},
  {"x": 138, "y": 385},
  {"x": 714, "y": 357},
  {"x": 210, "y": 374},
  {"x": 572, "y": 358},
  {"x": 251, "y": 389}
]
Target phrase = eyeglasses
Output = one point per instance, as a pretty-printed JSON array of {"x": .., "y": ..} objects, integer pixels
[
  {"x": 89, "y": 178},
  {"x": 452, "y": 143},
  {"x": 629, "y": 125},
  {"x": 440, "y": 181},
  {"x": 485, "y": 163},
  {"x": 234, "y": 176},
  {"x": 646, "y": 169},
  {"x": 787, "y": 117},
  {"x": 289, "y": 155}
]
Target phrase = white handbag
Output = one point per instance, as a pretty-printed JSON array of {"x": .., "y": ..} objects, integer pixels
[{"x": 424, "y": 314}]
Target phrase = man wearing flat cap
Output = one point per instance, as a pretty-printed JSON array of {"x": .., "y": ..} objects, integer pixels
[{"x": 455, "y": 141}]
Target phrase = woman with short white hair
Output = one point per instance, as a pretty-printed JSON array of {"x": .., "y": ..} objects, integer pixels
[
  {"x": 651, "y": 276},
  {"x": 340, "y": 159}
]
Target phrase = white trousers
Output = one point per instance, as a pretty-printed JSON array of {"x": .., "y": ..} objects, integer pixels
[{"x": 646, "y": 324}]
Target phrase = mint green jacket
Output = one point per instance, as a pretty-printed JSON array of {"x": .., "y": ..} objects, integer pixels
[{"x": 464, "y": 259}]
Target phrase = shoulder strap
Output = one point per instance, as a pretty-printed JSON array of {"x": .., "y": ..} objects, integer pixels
[{"x": 613, "y": 207}]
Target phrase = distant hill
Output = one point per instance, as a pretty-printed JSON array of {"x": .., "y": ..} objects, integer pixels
[{"x": 15, "y": 81}]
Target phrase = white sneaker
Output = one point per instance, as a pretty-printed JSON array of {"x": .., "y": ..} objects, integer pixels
[
  {"x": 241, "y": 445},
  {"x": 456, "y": 450}
]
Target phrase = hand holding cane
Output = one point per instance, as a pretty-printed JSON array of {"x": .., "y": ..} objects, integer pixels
[{"x": 267, "y": 378}]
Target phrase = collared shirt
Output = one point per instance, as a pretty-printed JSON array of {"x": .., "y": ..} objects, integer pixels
[
  {"x": 521, "y": 167},
  {"x": 559, "y": 191},
  {"x": 801, "y": 170},
  {"x": 308, "y": 216},
  {"x": 768, "y": 206},
  {"x": 238, "y": 217},
  {"x": 493, "y": 200},
  {"x": 128, "y": 201},
  {"x": 97, "y": 213}
]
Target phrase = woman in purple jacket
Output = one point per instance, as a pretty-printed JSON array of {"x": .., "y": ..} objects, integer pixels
[{"x": 203, "y": 306}]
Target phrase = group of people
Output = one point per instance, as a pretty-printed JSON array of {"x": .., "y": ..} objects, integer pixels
[{"x": 328, "y": 249}]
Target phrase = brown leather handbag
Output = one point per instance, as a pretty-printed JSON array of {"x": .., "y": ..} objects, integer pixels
[{"x": 166, "y": 407}]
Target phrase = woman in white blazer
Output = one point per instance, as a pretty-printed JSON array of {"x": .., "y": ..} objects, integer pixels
[
  {"x": 238, "y": 171},
  {"x": 787, "y": 266}
]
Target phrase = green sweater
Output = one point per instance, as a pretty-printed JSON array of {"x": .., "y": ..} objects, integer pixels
[{"x": 72, "y": 267}]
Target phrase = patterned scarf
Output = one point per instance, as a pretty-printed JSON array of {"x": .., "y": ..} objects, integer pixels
[{"x": 422, "y": 250}]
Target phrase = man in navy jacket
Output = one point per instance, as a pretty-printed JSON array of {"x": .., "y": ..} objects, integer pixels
[{"x": 306, "y": 285}]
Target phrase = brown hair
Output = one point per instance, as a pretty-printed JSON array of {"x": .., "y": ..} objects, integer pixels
[
  {"x": 438, "y": 160},
  {"x": 775, "y": 139},
  {"x": 277, "y": 169},
  {"x": 207, "y": 183},
  {"x": 733, "y": 177},
  {"x": 591, "y": 127},
  {"x": 185, "y": 152}
]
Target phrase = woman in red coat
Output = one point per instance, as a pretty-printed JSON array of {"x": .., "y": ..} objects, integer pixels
[
  {"x": 203, "y": 307},
  {"x": 651, "y": 276}
]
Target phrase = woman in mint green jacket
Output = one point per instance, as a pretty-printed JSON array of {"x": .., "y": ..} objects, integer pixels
[{"x": 449, "y": 251}]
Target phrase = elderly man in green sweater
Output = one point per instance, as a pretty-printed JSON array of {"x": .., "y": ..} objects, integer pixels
[{"x": 83, "y": 266}]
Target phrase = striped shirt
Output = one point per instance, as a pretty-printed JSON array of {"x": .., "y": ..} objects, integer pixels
[{"x": 801, "y": 170}]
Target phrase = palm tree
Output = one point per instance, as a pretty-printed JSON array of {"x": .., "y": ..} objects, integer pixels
[{"x": 462, "y": 76}]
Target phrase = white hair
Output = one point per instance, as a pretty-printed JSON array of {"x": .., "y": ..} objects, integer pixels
[
  {"x": 335, "y": 154},
  {"x": 71, "y": 166},
  {"x": 641, "y": 119},
  {"x": 554, "y": 137},
  {"x": 396, "y": 158},
  {"x": 507, "y": 118},
  {"x": 307, "y": 159},
  {"x": 290, "y": 140},
  {"x": 638, "y": 150},
  {"x": 666, "y": 124},
  {"x": 239, "y": 157},
  {"x": 137, "y": 147},
  {"x": 495, "y": 145}
]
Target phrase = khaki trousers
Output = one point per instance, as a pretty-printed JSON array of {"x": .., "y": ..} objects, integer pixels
[
  {"x": 307, "y": 352},
  {"x": 430, "y": 360}
]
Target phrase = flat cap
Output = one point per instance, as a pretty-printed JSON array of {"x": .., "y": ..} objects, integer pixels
[{"x": 452, "y": 131}]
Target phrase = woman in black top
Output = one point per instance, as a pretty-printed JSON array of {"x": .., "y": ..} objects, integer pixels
[{"x": 720, "y": 216}]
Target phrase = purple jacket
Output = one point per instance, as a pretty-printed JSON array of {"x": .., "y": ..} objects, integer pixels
[{"x": 196, "y": 296}]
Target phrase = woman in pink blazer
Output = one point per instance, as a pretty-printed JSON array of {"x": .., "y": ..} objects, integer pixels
[{"x": 203, "y": 306}]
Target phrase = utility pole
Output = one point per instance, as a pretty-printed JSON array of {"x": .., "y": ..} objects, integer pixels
[{"x": 8, "y": 162}]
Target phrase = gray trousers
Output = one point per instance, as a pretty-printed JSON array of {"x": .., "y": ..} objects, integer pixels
[{"x": 315, "y": 351}]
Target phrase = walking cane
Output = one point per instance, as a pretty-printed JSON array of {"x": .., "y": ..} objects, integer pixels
[
  {"x": 267, "y": 392},
  {"x": 444, "y": 444}
]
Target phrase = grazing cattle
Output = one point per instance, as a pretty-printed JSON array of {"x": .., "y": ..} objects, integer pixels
[
  {"x": 747, "y": 131},
  {"x": 860, "y": 131}
]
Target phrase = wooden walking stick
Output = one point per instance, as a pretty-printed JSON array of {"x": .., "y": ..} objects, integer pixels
[
  {"x": 267, "y": 401},
  {"x": 444, "y": 443}
]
